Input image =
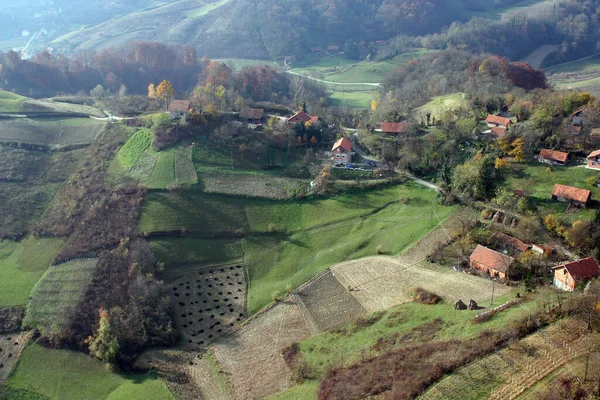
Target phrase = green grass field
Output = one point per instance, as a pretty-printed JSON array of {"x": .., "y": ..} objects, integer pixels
[
  {"x": 285, "y": 243},
  {"x": 538, "y": 179},
  {"x": 10, "y": 102},
  {"x": 69, "y": 375},
  {"x": 22, "y": 264},
  {"x": 359, "y": 99},
  {"x": 131, "y": 152},
  {"x": 239, "y": 63},
  {"x": 50, "y": 131},
  {"x": 438, "y": 105},
  {"x": 57, "y": 294}
]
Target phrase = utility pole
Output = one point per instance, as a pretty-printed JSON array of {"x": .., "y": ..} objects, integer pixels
[{"x": 493, "y": 287}]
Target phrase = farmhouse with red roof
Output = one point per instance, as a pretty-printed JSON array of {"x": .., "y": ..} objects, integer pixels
[
  {"x": 342, "y": 151},
  {"x": 553, "y": 157},
  {"x": 593, "y": 160},
  {"x": 302, "y": 118},
  {"x": 395, "y": 128},
  {"x": 575, "y": 195},
  {"x": 179, "y": 108},
  {"x": 568, "y": 276},
  {"x": 490, "y": 262},
  {"x": 497, "y": 121}
]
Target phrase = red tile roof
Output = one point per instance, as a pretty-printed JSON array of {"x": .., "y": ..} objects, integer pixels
[
  {"x": 343, "y": 143},
  {"x": 252, "y": 113},
  {"x": 179, "y": 106},
  {"x": 582, "y": 269},
  {"x": 314, "y": 119},
  {"x": 495, "y": 119},
  {"x": 511, "y": 241},
  {"x": 300, "y": 116},
  {"x": 594, "y": 154},
  {"x": 491, "y": 259},
  {"x": 554, "y": 155},
  {"x": 571, "y": 193},
  {"x": 395, "y": 127}
]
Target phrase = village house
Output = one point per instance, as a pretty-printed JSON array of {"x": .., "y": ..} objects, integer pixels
[
  {"x": 253, "y": 115},
  {"x": 317, "y": 50},
  {"x": 333, "y": 49},
  {"x": 593, "y": 160},
  {"x": 395, "y": 128},
  {"x": 511, "y": 243},
  {"x": 577, "y": 116},
  {"x": 342, "y": 151},
  {"x": 303, "y": 118},
  {"x": 179, "y": 109},
  {"x": 491, "y": 262},
  {"x": 495, "y": 121},
  {"x": 578, "y": 197},
  {"x": 553, "y": 157},
  {"x": 576, "y": 273}
]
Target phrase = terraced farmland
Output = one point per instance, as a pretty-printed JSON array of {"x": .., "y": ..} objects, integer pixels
[{"x": 56, "y": 296}]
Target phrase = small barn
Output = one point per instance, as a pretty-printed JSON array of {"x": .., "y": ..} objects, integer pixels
[
  {"x": 568, "y": 276},
  {"x": 253, "y": 115},
  {"x": 579, "y": 197},
  {"x": 511, "y": 243},
  {"x": 396, "y": 128},
  {"x": 491, "y": 262},
  {"x": 342, "y": 151},
  {"x": 553, "y": 157},
  {"x": 179, "y": 109},
  {"x": 496, "y": 121}
]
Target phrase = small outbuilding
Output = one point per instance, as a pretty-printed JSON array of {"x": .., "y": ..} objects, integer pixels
[
  {"x": 395, "y": 128},
  {"x": 568, "y": 276},
  {"x": 179, "y": 109},
  {"x": 496, "y": 121},
  {"x": 491, "y": 262},
  {"x": 578, "y": 197},
  {"x": 553, "y": 157},
  {"x": 253, "y": 115},
  {"x": 593, "y": 160}
]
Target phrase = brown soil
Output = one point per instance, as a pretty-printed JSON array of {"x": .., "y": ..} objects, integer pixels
[{"x": 11, "y": 346}]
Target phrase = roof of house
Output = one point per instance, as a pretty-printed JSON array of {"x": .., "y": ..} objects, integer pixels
[
  {"x": 499, "y": 132},
  {"x": 511, "y": 241},
  {"x": 301, "y": 116},
  {"x": 579, "y": 110},
  {"x": 582, "y": 269},
  {"x": 554, "y": 155},
  {"x": 491, "y": 259},
  {"x": 395, "y": 127},
  {"x": 594, "y": 154},
  {"x": 179, "y": 106},
  {"x": 496, "y": 119},
  {"x": 571, "y": 193},
  {"x": 314, "y": 119},
  {"x": 252, "y": 113},
  {"x": 343, "y": 143},
  {"x": 335, "y": 47}
]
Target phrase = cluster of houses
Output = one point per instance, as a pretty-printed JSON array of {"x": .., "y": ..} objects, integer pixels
[{"x": 567, "y": 276}]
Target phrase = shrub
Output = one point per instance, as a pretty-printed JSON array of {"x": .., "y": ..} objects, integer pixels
[{"x": 426, "y": 297}]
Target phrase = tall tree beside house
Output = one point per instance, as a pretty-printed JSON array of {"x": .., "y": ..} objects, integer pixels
[{"x": 165, "y": 91}]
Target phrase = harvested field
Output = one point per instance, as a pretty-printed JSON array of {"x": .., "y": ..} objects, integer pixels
[
  {"x": 11, "y": 346},
  {"x": 209, "y": 303},
  {"x": 251, "y": 358},
  {"x": 328, "y": 303},
  {"x": 50, "y": 131},
  {"x": 56, "y": 296},
  {"x": 253, "y": 185},
  {"x": 537, "y": 57}
]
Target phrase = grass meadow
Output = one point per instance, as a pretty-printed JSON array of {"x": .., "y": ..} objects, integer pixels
[
  {"x": 286, "y": 243},
  {"x": 438, "y": 105},
  {"x": 57, "y": 294},
  {"x": 69, "y": 375},
  {"x": 22, "y": 264},
  {"x": 537, "y": 180},
  {"x": 50, "y": 131},
  {"x": 10, "y": 102}
]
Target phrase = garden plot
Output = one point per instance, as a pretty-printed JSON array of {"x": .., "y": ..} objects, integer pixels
[
  {"x": 11, "y": 346},
  {"x": 50, "y": 131},
  {"x": 253, "y": 185},
  {"x": 328, "y": 303},
  {"x": 251, "y": 358},
  {"x": 209, "y": 303},
  {"x": 56, "y": 296}
]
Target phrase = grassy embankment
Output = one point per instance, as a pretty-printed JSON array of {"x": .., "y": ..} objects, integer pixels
[
  {"x": 286, "y": 243},
  {"x": 538, "y": 179},
  {"x": 439, "y": 105},
  {"x": 63, "y": 374},
  {"x": 22, "y": 264}
]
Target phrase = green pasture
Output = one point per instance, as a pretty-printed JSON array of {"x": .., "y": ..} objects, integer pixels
[
  {"x": 285, "y": 243},
  {"x": 239, "y": 63},
  {"x": 10, "y": 102},
  {"x": 438, "y": 105},
  {"x": 204, "y": 9},
  {"x": 69, "y": 375},
  {"x": 50, "y": 131},
  {"x": 358, "y": 99},
  {"x": 56, "y": 296},
  {"x": 537, "y": 180},
  {"x": 22, "y": 264},
  {"x": 590, "y": 64}
]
